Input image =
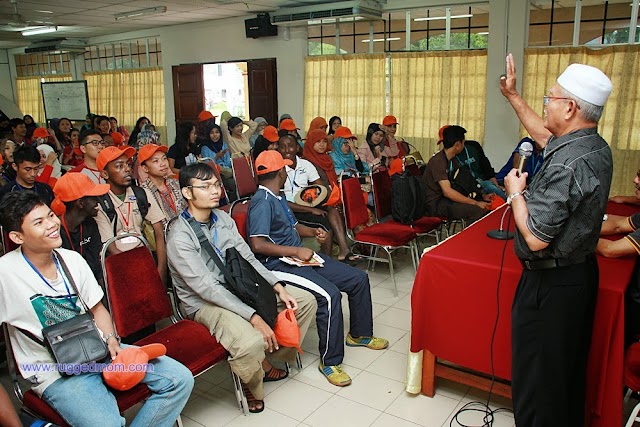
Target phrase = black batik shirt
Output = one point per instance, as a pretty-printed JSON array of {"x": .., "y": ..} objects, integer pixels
[{"x": 87, "y": 243}]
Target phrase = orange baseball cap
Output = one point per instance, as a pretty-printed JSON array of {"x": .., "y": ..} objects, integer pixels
[
  {"x": 270, "y": 161},
  {"x": 126, "y": 371},
  {"x": 146, "y": 151},
  {"x": 395, "y": 167},
  {"x": 75, "y": 185},
  {"x": 344, "y": 132},
  {"x": 389, "y": 120},
  {"x": 40, "y": 133},
  {"x": 270, "y": 133},
  {"x": 117, "y": 137},
  {"x": 205, "y": 115},
  {"x": 288, "y": 124},
  {"x": 287, "y": 331},
  {"x": 441, "y": 133},
  {"x": 109, "y": 154}
]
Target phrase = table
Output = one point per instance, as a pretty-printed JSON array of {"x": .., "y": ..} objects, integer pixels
[{"x": 455, "y": 300}]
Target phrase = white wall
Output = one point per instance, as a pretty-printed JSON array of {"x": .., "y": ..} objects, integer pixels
[{"x": 7, "y": 76}]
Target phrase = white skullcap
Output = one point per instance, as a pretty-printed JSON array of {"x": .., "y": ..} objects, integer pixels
[{"x": 587, "y": 83}]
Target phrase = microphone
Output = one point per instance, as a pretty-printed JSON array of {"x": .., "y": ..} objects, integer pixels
[{"x": 525, "y": 151}]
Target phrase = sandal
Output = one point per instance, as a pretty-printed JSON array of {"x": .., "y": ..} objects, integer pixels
[
  {"x": 275, "y": 374},
  {"x": 258, "y": 405},
  {"x": 350, "y": 258}
]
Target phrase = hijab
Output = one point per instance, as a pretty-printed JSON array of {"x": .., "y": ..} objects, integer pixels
[
  {"x": 341, "y": 161},
  {"x": 317, "y": 123},
  {"x": 373, "y": 128},
  {"x": 321, "y": 160},
  {"x": 254, "y": 137},
  {"x": 57, "y": 167},
  {"x": 207, "y": 142}
]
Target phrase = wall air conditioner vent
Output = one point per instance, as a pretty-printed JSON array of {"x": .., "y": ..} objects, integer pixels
[{"x": 328, "y": 12}]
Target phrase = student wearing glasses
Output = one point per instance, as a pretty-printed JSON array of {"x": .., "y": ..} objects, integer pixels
[{"x": 91, "y": 143}]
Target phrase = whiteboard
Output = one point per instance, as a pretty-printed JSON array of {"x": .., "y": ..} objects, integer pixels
[{"x": 66, "y": 99}]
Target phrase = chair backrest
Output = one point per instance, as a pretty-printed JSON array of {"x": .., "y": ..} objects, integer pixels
[
  {"x": 355, "y": 209},
  {"x": 137, "y": 297},
  {"x": 7, "y": 244},
  {"x": 240, "y": 214},
  {"x": 413, "y": 169},
  {"x": 381, "y": 185},
  {"x": 245, "y": 181}
]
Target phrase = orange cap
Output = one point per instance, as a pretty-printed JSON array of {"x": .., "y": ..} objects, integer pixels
[
  {"x": 441, "y": 133},
  {"x": 146, "y": 151},
  {"x": 270, "y": 133},
  {"x": 117, "y": 137},
  {"x": 118, "y": 375},
  {"x": 344, "y": 132},
  {"x": 288, "y": 124},
  {"x": 395, "y": 167},
  {"x": 270, "y": 161},
  {"x": 40, "y": 133},
  {"x": 205, "y": 115},
  {"x": 286, "y": 330},
  {"x": 335, "y": 197},
  {"x": 389, "y": 120},
  {"x": 75, "y": 185},
  {"x": 109, "y": 154}
]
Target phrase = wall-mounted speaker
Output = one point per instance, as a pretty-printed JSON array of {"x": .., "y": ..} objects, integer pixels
[{"x": 260, "y": 26}]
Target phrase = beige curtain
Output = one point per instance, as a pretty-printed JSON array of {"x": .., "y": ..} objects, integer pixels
[
  {"x": 129, "y": 94},
  {"x": 620, "y": 122},
  {"x": 349, "y": 86},
  {"x": 432, "y": 89},
  {"x": 30, "y": 94}
]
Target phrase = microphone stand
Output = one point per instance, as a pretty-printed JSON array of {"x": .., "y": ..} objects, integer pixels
[{"x": 501, "y": 233}]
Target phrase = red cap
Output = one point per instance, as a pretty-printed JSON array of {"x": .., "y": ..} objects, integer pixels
[
  {"x": 119, "y": 377},
  {"x": 344, "y": 132},
  {"x": 75, "y": 185},
  {"x": 146, "y": 151},
  {"x": 389, "y": 120},
  {"x": 288, "y": 124},
  {"x": 270, "y": 133},
  {"x": 109, "y": 154},
  {"x": 117, "y": 137},
  {"x": 395, "y": 167},
  {"x": 205, "y": 115},
  {"x": 286, "y": 330},
  {"x": 441, "y": 133},
  {"x": 270, "y": 161},
  {"x": 40, "y": 133}
]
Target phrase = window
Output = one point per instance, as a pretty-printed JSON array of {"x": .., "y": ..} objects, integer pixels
[
  {"x": 123, "y": 55},
  {"x": 42, "y": 64}
]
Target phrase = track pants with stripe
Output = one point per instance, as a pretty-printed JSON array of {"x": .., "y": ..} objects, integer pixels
[{"x": 326, "y": 283}]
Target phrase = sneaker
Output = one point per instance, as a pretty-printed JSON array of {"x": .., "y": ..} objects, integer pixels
[
  {"x": 335, "y": 375},
  {"x": 373, "y": 343}
]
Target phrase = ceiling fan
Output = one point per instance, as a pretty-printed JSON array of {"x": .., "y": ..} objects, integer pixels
[{"x": 17, "y": 22}]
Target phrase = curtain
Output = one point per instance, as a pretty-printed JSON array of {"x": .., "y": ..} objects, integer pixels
[
  {"x": 620, "y": 122},
  {"x": 432, "y": 89},
  {"x": 349, "y": 86},
  {"x": 128, "y": 95},
  {"x": 30, "y": 94}
]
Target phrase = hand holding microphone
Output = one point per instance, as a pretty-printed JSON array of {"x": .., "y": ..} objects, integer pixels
[
  {"x": 516, "y": 180},
  {"x": 525, "y": 151}
]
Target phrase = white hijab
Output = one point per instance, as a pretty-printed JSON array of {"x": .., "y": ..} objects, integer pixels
[{"x": 57, "y": 167}]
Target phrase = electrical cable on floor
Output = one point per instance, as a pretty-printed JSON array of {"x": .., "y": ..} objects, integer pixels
[{"x": 477, "y": 406}]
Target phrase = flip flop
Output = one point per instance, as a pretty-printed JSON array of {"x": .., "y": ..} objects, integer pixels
[
  {"x": 252, "y": 400},
  {"x": 275, "y": 374},
  {"x": 350, "y": 258}
]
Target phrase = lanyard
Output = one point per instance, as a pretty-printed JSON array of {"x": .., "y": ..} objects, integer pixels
[
  {"x": 468, "y": 163},
  {"x": 186, "y": 215},
  {"x": 66, "y": 229},
  {"x": 168, "y": 197},
  {"x": 64, "y": 280},
  {"x": 285, "y": 206},
  {"x": 128, "y": 218},
  {"x": 97, "y": 175},
  {"x": 293, "y": 181}
]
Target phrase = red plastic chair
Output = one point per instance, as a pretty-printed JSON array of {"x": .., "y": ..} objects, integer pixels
[
  {"x": 388, "y": 237},
  {"x": 381, "y": 185},
  {"x": 240, "y": 213},
  {"x": 631, "y": 377},
  {"x": 246, "y": 184},
  {"x": 7, "y": 244},
  {"x": 138, "y": 299}
]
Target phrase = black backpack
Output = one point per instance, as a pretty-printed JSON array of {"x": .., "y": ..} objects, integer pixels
[
  {"x": 463, "y": 181},
  {"x": 408, "y": 197},
  {"x": 141, "y": 198}
]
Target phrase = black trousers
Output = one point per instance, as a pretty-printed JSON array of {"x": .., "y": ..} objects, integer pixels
[{"x": 552, "y": 319}]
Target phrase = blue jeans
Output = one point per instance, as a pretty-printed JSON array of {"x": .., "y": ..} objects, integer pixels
[
  {"x": 84, "y": 400},
  {"x": 489, "y": 187}
]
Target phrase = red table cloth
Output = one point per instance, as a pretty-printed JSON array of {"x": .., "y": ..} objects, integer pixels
[{"x": 455, "y": 303}]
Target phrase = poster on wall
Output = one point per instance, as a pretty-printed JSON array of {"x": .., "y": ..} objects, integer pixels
[{"x": 66, "y": 99}]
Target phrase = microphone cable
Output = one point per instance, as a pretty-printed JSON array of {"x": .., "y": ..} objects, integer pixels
[{"x": 478, "y": 406}]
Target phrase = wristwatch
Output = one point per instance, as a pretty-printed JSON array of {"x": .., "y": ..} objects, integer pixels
[
  {"x": 112, "y": 334},
  {"x": 513, "y": 196}
]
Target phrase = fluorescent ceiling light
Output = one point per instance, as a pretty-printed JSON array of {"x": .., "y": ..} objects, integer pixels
[
  {"x": 43, "y": 11},
  {"x": 381, "y": 40},
  {"x": 437, "y": 18},
  {"x": 142, "y": 12},
  {"x": 39, "y": 30}
]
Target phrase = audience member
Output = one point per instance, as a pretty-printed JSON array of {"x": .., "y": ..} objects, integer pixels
[
  {"x": 318, "y": 123},
  {"x": 262, "y": 124},
  {"x": 442, "y": 200},
  {"x": 373, "y": 151},
  {"x": 184, "y": 151},
  {"x": 7, "y": 172},
  {"x": 30, "y": 124},
  {"x": 63, "y": 132},
  {"x": 26, "y": 303},
  {"x": 118, "y": 139},
  {"x": 201, "y": 285},
  {"x": 275, "y": 233},
  {"x": 50, "y": 168},
  {"x": 397, "y": 147},
  {"x": 103, "y": 125},
  {"x": 344, "y": 154},
  {"x": 334, "y": 123},
  {"x": 165, "y": 189},
  {"x": 26, "y": 163},
  {"x": 205, "y": 119},
  {"x": 133, "y": 138},
  {"x": 120, "y": 129},
  {"x": 91, "y": 143},
  {"x": 267, "y": 141},
  {"x": 234, "y": 136},
  {"x": 216, "y": 149},
  {"x": 530, "y": 166},
  {"x": 88, "y": 124},
  {"x": 633, "y": 200},
  {"x": 289, "y": 126},
  {"x": 19, "y": 132},
  {"x": 122, "y": 209},
  {"x": 147, "y": 135}
]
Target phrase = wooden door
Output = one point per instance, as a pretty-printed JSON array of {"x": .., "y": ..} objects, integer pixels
[
  {"x": 263, "y": 89},
  {"x": 188, "y": 92}
]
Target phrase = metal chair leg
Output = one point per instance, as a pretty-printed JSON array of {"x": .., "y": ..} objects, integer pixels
[
  {"x": 393, "y": 277},
  {"x": 240, "y": 397},
  {"x": 299, "y": 362},
  {"x": 179, "y": 421}
]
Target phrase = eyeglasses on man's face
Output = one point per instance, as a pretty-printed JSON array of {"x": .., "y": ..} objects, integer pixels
[
  {"x": 96, "y": 143},
  {"x": 209, "y": 186},
  {"x": 546, "y": 99}
]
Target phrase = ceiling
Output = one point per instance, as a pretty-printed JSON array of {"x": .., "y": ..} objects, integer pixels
[{"x": 90, "y": 18}]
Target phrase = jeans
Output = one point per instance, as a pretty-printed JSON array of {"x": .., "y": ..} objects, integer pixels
[
  {"x": 84, "y": 400},
  {"x": 489, "y": 187}
]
